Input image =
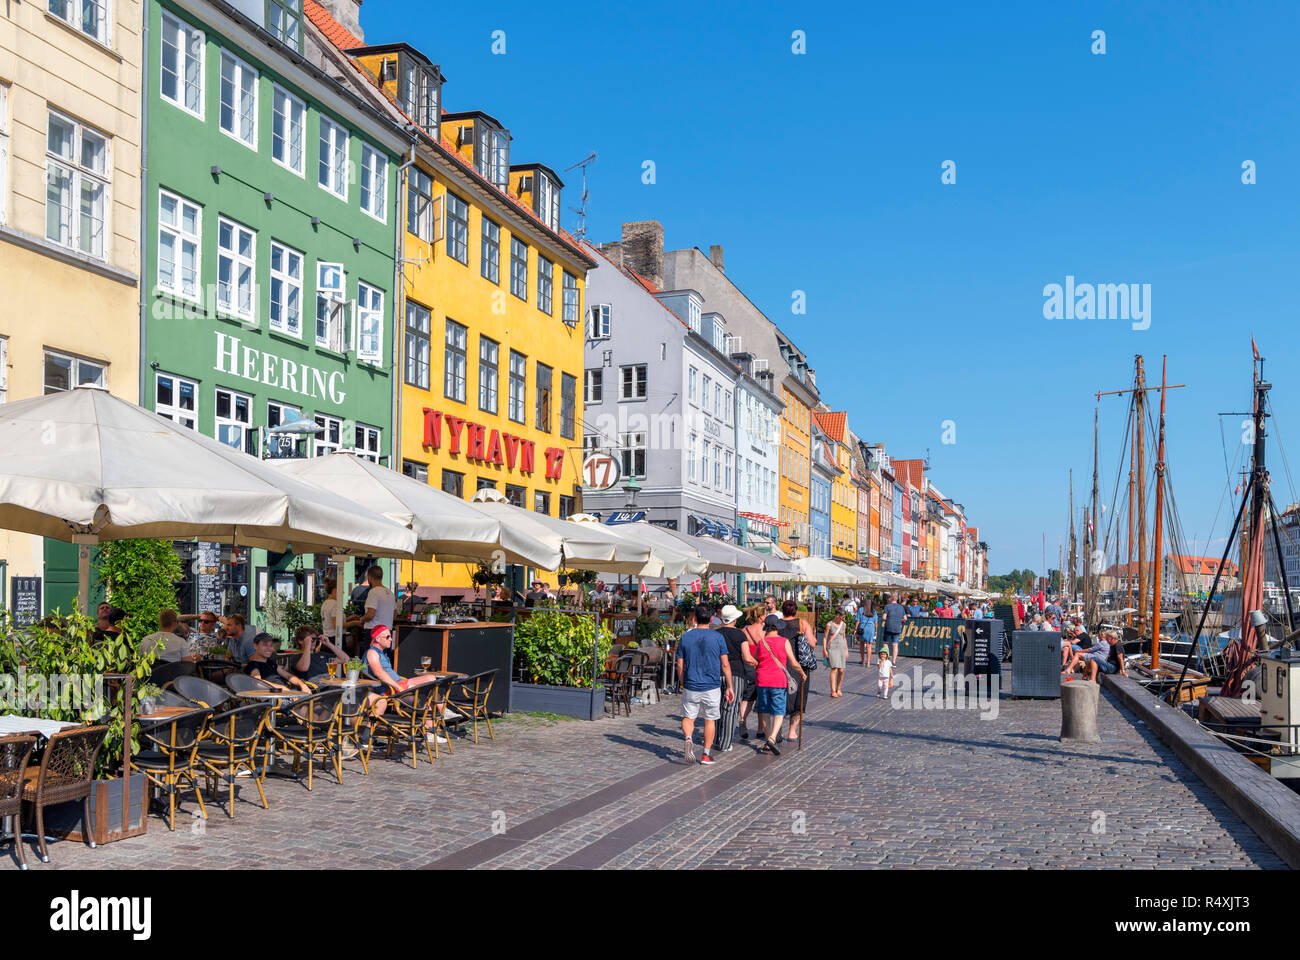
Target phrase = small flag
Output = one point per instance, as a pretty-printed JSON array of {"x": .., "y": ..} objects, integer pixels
[{"x": 1254, "y": 349}]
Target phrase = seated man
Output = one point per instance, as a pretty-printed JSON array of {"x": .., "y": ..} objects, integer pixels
[
  {"x": 262, "y": 666},
  {"x": 1096, "y": 657},
  {"x": 174, "y": 648},
  {"x": 310, "y": 663},
  {"x": 381, "y": 668},
  {"x": 239, "y": 636}
]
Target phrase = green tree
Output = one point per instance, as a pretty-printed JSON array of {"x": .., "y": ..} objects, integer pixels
[{"x": 141, "y": 578}]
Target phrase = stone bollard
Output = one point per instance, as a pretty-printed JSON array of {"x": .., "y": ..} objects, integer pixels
[{"x": 1079, "y": 711}]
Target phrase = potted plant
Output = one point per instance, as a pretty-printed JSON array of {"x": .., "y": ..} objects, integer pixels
[
  {"x": 353, "y": 669},
  {"x": 558, "y": 656},
  {"x": 149, "y": 695}
]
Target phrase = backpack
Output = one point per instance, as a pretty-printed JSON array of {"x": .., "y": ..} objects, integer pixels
[{"x": 357, "y": 603}]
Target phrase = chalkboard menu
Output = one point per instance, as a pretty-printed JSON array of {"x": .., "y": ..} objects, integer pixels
[
  {"x": 207, "y": 577},
  {"x": 25, "y": 600}
]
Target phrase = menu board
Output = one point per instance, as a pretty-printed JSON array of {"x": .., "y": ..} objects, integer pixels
[
  {"x": 25, "y": 600},
  {"x": 207, "y": 577}
]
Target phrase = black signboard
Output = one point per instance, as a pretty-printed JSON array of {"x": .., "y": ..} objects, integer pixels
[
  {"x": 929, "y": 637},
  {"x": 25, "y": 600},
  {"x": 983, "y": 649}
]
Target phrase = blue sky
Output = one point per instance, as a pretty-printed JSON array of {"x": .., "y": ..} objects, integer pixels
[{"x": 821, "y": 172}]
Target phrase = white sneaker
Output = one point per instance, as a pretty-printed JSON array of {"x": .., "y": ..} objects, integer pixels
[
  {"x": 450, "y": 714},
  {"x": 440, "y": 738}
]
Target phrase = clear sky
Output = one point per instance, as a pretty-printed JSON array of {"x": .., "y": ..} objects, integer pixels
[{"x": 821, "y": 172}]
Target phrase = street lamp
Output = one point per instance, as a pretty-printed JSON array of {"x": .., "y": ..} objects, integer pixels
[
  {"x": 794, "y": 543},
  {"x": 631, "y": 488}
]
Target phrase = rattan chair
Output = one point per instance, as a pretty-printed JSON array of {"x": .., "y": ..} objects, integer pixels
[
  {"x": 213, "y": 670},
  {"x": 202, "y": 692},
  {"x": 469, "y": 695},
  {"x": 165, "y": 673},
  {"x": 239, "y": 683},
  {"x": 618, "y": 684},
  {"x": 15, "y": 752},
  {"x": 403, "y": 721},
  {"x": 171, "y": 756},
  {"x": 354, "y": 725},
  {"x": 66, "y": 773},
  {"x": 231, "y": 747},
  {"x": 312, "y": 731}
]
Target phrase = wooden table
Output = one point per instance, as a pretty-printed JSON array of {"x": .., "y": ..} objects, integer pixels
[{"x": 166, "y": 713}]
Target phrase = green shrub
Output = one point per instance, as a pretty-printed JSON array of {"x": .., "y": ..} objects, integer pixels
[
  {"x": 558, "y": 649},
  {"x": 141, "y": 578}
]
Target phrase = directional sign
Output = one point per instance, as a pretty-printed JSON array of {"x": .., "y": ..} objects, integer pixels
[{"x": 600, "y": 471}]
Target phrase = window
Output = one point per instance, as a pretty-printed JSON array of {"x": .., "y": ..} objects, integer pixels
[
  {"x": 726, "y": 406},
  {"x": 717, "y": 399},
  {"x": 518, "y": 372},
  {"x": 63, "y": 372},
  {"x": 416, "y": 471},
  {"x": 719, "y": 343},
  {"x": 76, "y": 191},
  {"x": 706, "y": 394},
  {"x": 690, "y": 457},
  {"x": 690, "y": 384},
  {"x": 548, "y": 201},
  {"x": 545, "y": 281},
  {"x": 633, "y": 454},
  {"x": 590, "y": 443},
  {"x": 717, "y": 466},
  {"x": 457, "y": 228},
  {"x": 175, "y": 398},
  {"x": 417, "y": 345},
  {"x": 488, "y": 374},
  {"x": 285, "y": 444},
  {"x": 486, "y": 483},
  {"x": 519, "y": 268},
  {"x": 331, "y": 307},
  {"x": 370, "y": 323},
  {"x": 726, "y": 477},
  {"x": 235, "y": 420},
  {"x": 288, "y": 130},
  {"x": 453, "y": 384},
  {"x": 331, "y": 440},
  {"x": 179, "y": 245},
  {"x": 453, "y": 483},
  {"x": 238, "y": 99},
  {"x": 572, "y": 306},
  {"x": 236, "y": 268},
  {"x": 286, "y": 289},
  {"x": 374, "y": 183},
  {"x": 541, "y": 502},
  {"x": 88, "y": 16},
  {"x": 284, "y": 21},
  {"x": 492, "y": 155},
  {"x": 566, "y": 507},
  {"x": 515, "y": 495},
  {"x": 693, "y": 315},
  {"x": 332, "y": 172},
  {"x": 568, "y": 404},
  {"x": 704, "y": 463},
  {"x": 419, "y": 204},
  {"x": 543, "y": 418},
  {"x": 490, "y": 251},
  {"x": 182, "y": 65},
  {"x": 593, "y": 387},
  {"x": 419, "y": 96},
  {"x": 632, "y": 385},
  {"x": 598, "y": 322},
  {"x": 366, "y": 442}
]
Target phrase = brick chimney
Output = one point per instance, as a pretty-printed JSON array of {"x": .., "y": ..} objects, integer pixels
[
  {"x": 347, "y": 13},
  {"x": 715, "y": 254},
  {"x": 643, "y": 249}
]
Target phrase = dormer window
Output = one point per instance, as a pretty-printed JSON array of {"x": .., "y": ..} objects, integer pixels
[
  {"x": 693, "y": 315},
  {"x": 419, "y": 91},
  {"x": 492, "y": 153},
  {"x": 719, "y": 343},
  {"x": 548, "y": 201},
  {"x": 284, "y": 21}
]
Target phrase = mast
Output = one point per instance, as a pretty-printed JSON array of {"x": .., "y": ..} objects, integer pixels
[
  {"x": 1139, "y": 411},
  {"x": 1129, "y": 569},
  {"x": 1074, "y": 558},
  {"x": 1160, "y": 502},
  {"x": 1091, "y": 615}
]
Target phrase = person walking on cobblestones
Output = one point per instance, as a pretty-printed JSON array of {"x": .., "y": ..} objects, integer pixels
[
  {"x": 741, "y": 675},
  {"x": 885, "y": 675},
  {"x": 754, "y": 633},
  {"x": 702, "y": 662},
  {"x": 769, "y": 657},
  {"x": 836, "y": 645},
  {"x": 892, "y": 625},
  {"x": 803, "y": 641}
]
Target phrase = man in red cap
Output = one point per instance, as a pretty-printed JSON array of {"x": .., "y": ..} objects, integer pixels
[{"x": 381, "y": 668}]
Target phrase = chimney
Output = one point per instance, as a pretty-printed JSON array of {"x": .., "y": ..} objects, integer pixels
[
  {"x": 643, "y": 249},
  {"x": 347, "y": 13},
  {"x": 715, "y": 254},
  {"x": 613, "y": 251}
]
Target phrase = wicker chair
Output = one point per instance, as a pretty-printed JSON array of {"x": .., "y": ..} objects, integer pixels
[
  {"x": 618, "y": 684},
  {"x": 469, "y": 695},
  {"x": 165, "y": 673},
  {"x": 354, "y": 720},
  {"x": 403, "y": 719},
  {"x": 15, "y": 752},
  {"x": 231, "y": 747},
  {"x": 239, "y": 683},
  {"x": 213, "y": 670},
  {"x": 66, "y": 773},
  {"x": 200, "y": 691},
  {"x": 172, "y": 756},
  {"x": 312, "y": 731}
]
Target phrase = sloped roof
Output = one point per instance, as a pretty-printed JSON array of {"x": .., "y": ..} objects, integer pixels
[
  {"x": 832, "y": 424},
  {"x": 1207, "y": 566},
  {"x": 335, "y": 32}
]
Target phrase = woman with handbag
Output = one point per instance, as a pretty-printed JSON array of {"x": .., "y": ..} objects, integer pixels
[
  {"x": 769, "y": 658},
  {"x": 802, "y": 641},
  {"x": 836, "y": 645}
]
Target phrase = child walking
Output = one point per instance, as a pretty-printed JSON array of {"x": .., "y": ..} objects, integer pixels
[{"x": 885, "y": 674}]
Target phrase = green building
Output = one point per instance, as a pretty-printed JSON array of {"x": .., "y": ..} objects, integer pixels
[{"x": 270, "y": 237}]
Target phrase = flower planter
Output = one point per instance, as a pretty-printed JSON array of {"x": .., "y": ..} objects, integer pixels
[
  {"x": 64, "y": 820},
  {"x": 584, "y": 703}
]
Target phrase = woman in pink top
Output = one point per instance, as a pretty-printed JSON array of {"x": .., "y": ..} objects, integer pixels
[{"x": 767, "y": 656}]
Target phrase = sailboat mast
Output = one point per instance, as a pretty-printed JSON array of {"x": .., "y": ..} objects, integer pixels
[
  {"x": 1140, "y": 412},
  {"x": 1096, "y": 526},
  {"x": 1160, "y": 502},
  {"x": 1074, "y": 557},
  {"x": 1131, "y": 466}
]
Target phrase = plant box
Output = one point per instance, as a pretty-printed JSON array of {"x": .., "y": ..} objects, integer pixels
[
  {"x": 585, "y": 703},
  {"x": 64, "y": 819}
]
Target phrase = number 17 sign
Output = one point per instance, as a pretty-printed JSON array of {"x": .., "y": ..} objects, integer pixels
[{"x": 600, "y": 471}]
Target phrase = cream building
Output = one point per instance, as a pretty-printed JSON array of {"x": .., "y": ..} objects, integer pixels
[{"x": 70, "y": 109}]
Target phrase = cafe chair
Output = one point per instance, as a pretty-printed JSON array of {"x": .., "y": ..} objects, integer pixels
[
  {"x": 469, "y": 695},
  {"x": 170, "y": 698},
  {"x": 165, "y": 673},
  {"x": 201, "y": 692},
  {"x": 239, "y": 683},
  {"x": 354, "y": 726},
  {"x": 15, "y": 752},
  {"x": 213, "y": 670},
  {"x": 618, "y": 684},
  {"x": 66, "y": 773},
  {"x": 231, "y": 748},
  {"x": 171, "y": 756},
  {"x": 310, "y": 729},
  {"x": 403, "y": 720}
]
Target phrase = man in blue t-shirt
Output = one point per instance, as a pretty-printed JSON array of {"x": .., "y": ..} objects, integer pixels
[{"x": 702, "y": 665}]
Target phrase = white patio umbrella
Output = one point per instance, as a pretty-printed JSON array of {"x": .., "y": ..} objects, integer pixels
[
  {"x": 668, "y": 557},
  {"x": 722, "y": 557},
  {"x": 582, "y": 546},
  {"x": 85, "y": 466}
]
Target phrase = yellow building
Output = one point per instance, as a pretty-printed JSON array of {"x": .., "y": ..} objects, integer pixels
[
  {"x": 796, "y": 449},
  {"x": 490, "y": 342},
  {"x": 69, "y": 223},
  {"x": 844, "y": 495}
]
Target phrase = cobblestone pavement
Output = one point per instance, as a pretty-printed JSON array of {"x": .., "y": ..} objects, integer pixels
[{"x": 872, "y": 786}]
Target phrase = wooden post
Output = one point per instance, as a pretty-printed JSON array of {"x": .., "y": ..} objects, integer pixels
[{"x": 1139, "y": 410}]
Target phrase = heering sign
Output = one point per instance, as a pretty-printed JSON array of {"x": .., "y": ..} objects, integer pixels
[
  {"x": 279, "y": 372},
  {"x": 502, "y": 449}
]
